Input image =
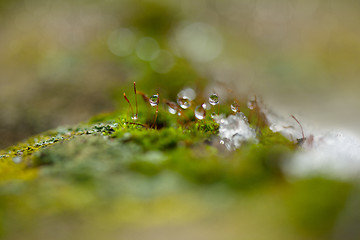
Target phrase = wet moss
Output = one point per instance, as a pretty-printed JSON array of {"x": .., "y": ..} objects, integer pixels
[{"x": 111, "y": 161}]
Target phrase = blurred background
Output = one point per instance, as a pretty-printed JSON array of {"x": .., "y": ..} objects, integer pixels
[{"x": 61, "y": 62}]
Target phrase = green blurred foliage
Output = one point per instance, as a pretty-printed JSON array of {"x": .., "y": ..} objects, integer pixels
[{"x": 316, "y": 203}]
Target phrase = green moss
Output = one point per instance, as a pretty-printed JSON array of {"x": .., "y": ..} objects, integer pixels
[
  {"x": 112, "y": 162},
  {"x": 270, "y": 138},
  {"x": 15, "y": 160},
  {"x": 207, "y": 126}
]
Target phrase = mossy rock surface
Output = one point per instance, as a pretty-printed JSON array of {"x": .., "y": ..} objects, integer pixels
[{"x": 110, "y": 179}]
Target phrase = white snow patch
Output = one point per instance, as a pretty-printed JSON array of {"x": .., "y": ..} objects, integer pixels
[
  {"x": 330, "y": 153},
  {"x": 235, "y": 130},
  {"x": 335, "y": 154}
]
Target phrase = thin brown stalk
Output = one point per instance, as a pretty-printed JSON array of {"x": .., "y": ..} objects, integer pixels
[
  {"x": 136, "y": 101},
  {"x": 144, "y": 96},
  {"x": 302, "y": 130},
  {"x": 132, "y": 110}
]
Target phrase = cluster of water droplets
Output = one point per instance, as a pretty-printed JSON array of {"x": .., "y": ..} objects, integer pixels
[
  {"x": 213, "y": 100},
  {"x": 233, "y": 131},
  {"x": 187, "y": 95}
]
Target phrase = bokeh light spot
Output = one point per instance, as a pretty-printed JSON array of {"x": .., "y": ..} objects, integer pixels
[
  {"x": 121, "y": 42},
  {"x": 199, "y": 42},
  {"x": 147, "y": 49}
]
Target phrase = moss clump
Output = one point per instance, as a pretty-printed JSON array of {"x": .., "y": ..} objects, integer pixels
[
  {"x": 16, "y": 161},
  {"x": 126, "y": 174}
]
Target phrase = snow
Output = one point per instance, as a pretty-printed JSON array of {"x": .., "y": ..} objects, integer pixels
[
  {"x": 235, "y": 130},
  {"x": 328, "y": 152},
  {"x": 334, "y": 153}
]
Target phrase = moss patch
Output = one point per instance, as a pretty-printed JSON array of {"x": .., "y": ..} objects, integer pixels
[{"x": 111, "y": 176}]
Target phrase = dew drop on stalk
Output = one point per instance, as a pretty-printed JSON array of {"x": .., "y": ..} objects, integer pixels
[
  {"x": 184, "y": 102},
  {"x": 200, "y": 112},
  {"x": 172, "y": 107},
  {"x": 213, "y": 115},
  {"x": 234, "y": 107},
  {"x": 206, "y": 106},
  {"x": 172, "y": 110},
  {"x": 214, "y": 99},
  {"x": 154, "y": 100}
]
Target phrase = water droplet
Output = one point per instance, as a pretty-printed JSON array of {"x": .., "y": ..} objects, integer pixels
[
  {"x": 188, "y": 93},
  {"x": 134, "y": 118},
  {"x": 121, "y": 42},
  {"x": 200, "y": 112},
  {"x": 213, "y": 115},
  {"x": 222, "y": 142},
  {"x": 184, "y": 102},
  {"x": 214, "y": 99},
  {"x": 154, "y": 100},
  {"x": 206, "y": 106},
  {"x": 172, "y": 107},
  {"x": 235, "y": 107}
]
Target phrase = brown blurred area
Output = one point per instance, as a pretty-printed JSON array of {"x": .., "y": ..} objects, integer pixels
[
  {"x": 53, "y": 68},
  {"x": 56, "y": 66}
]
